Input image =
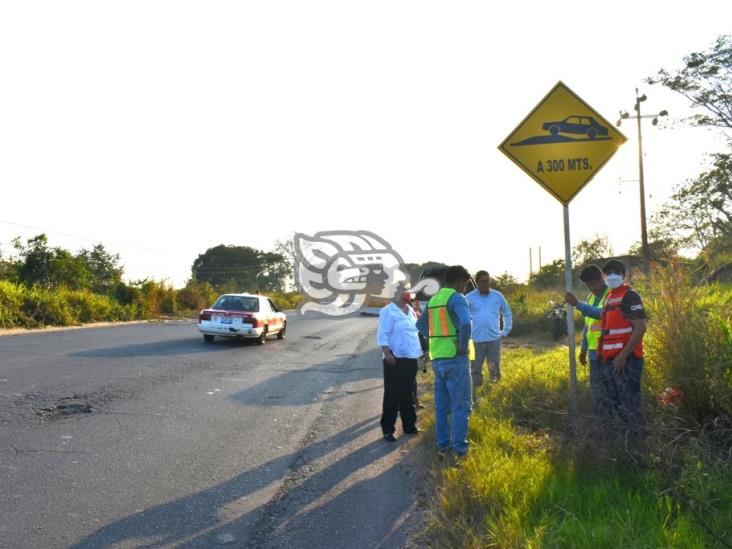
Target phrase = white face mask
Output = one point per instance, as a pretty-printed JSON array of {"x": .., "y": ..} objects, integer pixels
[{"x": 614, "y": 280}]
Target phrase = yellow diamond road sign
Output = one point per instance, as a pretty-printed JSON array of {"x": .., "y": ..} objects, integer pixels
[{"x": 562, "y": 143}]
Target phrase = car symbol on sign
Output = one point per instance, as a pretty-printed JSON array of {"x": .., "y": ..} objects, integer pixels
[{"x": 583, "y": 125}]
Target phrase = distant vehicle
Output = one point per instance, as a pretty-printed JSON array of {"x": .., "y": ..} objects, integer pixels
[
  {"x": 582, "y": 125},
  {"x": 242, "y": 316}
]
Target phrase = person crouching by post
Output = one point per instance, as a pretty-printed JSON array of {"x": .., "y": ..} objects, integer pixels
[
  {"x": 399, "y": 341},
  {"x": 447, "y": 326},
  {"x": 602, "y": 384},
  {"x": 621, "y": 345}
]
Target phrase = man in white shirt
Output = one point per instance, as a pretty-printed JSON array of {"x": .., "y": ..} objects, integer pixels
[
  {"x": 488, "y": 310},
  {"x": 399, "y": 341}
]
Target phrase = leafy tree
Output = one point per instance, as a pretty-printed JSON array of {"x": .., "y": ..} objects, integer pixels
[
  {"x": 587, "y": 251},
  {"x": 504, "y": 281},
  {"x": 68, "y": 271},
  {"x": 8, "y": 268},
  {"x": 699, "y": 213},
  {"x": 49, "y": 267},
  {"x": 549, "y": 276},
  {"x": 706, "y": 81},
  {"x": 240, "y": 268},
  {"x": 103, "y": 267},
  {"x": 275, "y": 272},
  {"x": 286, "y": 248},
  {"x": 659, "y": 246},
  {"x": 38, "y": 263},
  {"x": 36, "y": 260}
]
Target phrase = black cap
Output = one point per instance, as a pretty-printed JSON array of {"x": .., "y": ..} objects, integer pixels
[
  {"x": 590, "y": 273},
  {"x": 456, "y": 273},
  {"x": 614, "y": 265}
]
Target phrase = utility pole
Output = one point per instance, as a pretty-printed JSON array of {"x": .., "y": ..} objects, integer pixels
[
  {"x": 531, "y": 268},
  {"x": 645, "y": 249}
]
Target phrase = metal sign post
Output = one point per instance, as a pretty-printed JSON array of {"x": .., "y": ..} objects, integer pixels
[
  {"x": 562, "y": 143},
  {"x": 570, "y": 321}
]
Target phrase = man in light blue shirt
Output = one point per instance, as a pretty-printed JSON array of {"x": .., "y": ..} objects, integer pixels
[{"x": 487, "y": 309}]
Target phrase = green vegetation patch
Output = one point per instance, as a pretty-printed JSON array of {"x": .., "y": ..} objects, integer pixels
[{"x": 526, "y": 483}]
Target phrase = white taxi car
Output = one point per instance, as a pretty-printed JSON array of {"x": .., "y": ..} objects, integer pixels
[{"x": 242, "y": 316}]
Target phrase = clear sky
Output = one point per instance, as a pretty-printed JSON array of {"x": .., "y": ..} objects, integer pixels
[{"x": 163, "y": 128}]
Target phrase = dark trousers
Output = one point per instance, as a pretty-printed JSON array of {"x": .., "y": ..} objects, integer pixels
[
  {"x": 399, "y": 380},
  {"x": 629, "y": 396},
  {"x": 623, "y": 395}
]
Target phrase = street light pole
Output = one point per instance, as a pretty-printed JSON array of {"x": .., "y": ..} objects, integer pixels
[{"x": 645, "y": 249}]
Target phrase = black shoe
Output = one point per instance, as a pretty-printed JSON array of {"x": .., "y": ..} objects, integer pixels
[
  {"x": 390, "y": 437},
  {"x": 414, "y": 431}
]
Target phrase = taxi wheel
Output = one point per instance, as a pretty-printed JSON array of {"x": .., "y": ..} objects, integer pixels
[
  {"x": 262, "y": 338},
  {"x": 281, "y": 333},
  {"x": 208, "y": 338}
]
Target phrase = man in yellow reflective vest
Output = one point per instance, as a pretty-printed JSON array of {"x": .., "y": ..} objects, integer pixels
[
  {"x": 601, "y": 383},
  {"x": 447, "y": 327}
]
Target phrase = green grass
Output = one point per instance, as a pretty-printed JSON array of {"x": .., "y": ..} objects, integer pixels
[{"x": 526, "y": 483}]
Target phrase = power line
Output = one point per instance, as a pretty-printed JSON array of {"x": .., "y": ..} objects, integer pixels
[{"x": 58, "y": 233}]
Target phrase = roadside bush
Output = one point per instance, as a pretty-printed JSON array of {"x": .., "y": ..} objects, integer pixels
[
  {"x": 286, "y": 300},
  {"x": 195, "y": 296},
  {"x": 36, "y": 307},
  {"x": 44, "y": 308},
  {"x": 11, "y": 302},
  {"x": 154, "y": 298},
  {"x": 89, "y": 307},
  {"x": 689, "y": 343}
]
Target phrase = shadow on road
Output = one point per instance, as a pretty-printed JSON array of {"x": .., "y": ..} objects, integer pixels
[
  {"x": 191, "y": 521},
  {"x": 174, "y": 347},
  {"x": 295, "y": 386}
]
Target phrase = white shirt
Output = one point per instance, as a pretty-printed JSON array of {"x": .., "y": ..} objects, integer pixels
[{"x": 398, "y": 331}]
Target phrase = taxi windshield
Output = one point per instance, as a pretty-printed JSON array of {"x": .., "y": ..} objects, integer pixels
[{"x": 237, "y": 303}]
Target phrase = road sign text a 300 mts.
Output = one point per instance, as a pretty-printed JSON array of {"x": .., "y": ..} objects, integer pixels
[{"x": 562, "y": 143}]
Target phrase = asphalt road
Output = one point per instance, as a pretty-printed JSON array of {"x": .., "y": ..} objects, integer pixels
[{"x": 141, "y": 435}]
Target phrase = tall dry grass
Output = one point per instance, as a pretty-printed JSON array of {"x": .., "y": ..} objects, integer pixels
[{"x": 689, "y": 342}]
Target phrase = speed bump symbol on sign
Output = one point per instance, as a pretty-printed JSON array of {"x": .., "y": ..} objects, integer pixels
[{"x": 562, "y": 143}]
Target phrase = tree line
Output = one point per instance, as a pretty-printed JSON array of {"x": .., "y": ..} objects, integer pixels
[{"x": 225, "y": 268}]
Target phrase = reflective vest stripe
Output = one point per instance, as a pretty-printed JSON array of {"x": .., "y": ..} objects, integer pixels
[
  {"x": 443, "y": 335},
  {"x": 620, "y": 331},
  {"x": 444, "y": 329},
  {"x": 612, "y": 346}
]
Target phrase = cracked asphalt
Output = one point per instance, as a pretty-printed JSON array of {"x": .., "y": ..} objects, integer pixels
[{"x": 141, "y": 435}]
